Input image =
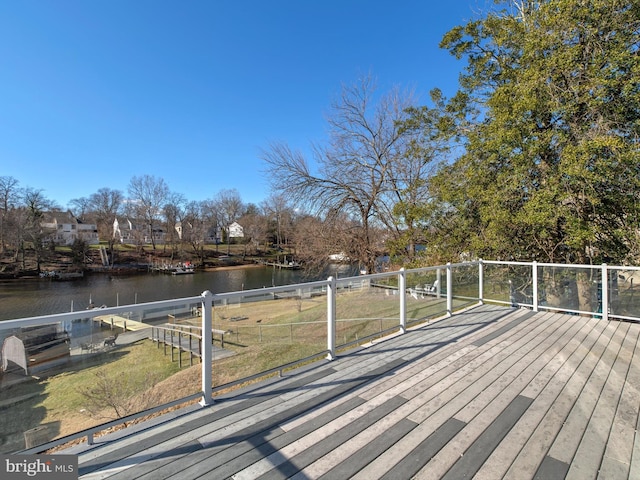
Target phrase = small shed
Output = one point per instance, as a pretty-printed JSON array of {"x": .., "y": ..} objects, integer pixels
[{"x": 35, "y": 347}]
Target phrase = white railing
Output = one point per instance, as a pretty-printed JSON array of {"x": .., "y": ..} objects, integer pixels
[{"x": 395, "y": 301}]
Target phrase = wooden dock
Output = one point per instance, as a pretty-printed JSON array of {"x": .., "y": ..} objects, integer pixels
[
  {"x": 124, "y": 323},
  {"x": 186, "y": 338},
  {"x": 286, "y": 265},
  {"x": 491, "y": 393}
]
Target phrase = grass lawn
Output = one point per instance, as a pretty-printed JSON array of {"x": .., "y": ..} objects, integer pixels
[
  {"x": 62, "y": 402},
  {"x": 94, "y": 389}
]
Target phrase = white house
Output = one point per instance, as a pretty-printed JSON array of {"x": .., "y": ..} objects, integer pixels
[
  {"x": 136, "y": 233},
  {"x": 188, "y": 231},
  {"x": 235, "y": 230},
  {"x": 65, "y": 229}
]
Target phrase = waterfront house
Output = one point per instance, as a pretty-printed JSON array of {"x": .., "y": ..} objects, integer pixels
[
  {"x": 65, "y": 229},
  {"x": 135, "y": 232},
  {"x": 235, "y": 230}
]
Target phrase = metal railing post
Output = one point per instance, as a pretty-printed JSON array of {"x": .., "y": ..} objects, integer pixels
[
  {"x": 480, "y": 282},
  {"x": 605, "y": 292},
  {"x": 402, "y": 291},
  {"x": 449, "y": 290},
  {"x": 331, "y": 318},
  {"x": 207, "y": 350},
  {"x": 534, "y": 279}
]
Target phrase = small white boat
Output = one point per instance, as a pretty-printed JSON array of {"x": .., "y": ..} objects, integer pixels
[{"x": 182, "y": 271}]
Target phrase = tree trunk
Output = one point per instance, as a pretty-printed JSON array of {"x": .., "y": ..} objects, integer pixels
[{"x": 585, "y": 291}]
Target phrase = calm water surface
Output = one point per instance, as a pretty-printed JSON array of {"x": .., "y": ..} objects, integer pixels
[{"x": 30, "y": 298}]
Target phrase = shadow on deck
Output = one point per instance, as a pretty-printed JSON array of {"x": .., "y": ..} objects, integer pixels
[{"x": 489, "y": 393}]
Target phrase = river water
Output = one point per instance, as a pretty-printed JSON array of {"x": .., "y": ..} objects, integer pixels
[{"x": 30, "y": 298}]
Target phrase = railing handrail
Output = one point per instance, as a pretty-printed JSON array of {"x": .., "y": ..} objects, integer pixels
[
  {"x": 331, "y": 287},
  {"x": 177, "y": 331},
  {"x": 95, "y": 312},
  {"x": 269, "y": 290}
]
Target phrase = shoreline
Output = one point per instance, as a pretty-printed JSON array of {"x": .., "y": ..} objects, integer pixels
[
  {"x": 230, "y": 267},
  {"x": 124, "y": 272}
]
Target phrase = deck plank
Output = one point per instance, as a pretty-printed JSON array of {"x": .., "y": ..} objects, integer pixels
[
  {"x": 173, "y": 436},
  {"x": 491, "y": 393},
  {"x": 442, "y": 400},
  {"x": 591, "y": 450},
  {"x": 251, "y": 450},
  {"x": 569, "y": 381},
  {"x": 570, "y": 435},
  {"x": 501, "y": 460},
  {"x": 619, "y": 456},
  {"x": 483, "y": 410}
]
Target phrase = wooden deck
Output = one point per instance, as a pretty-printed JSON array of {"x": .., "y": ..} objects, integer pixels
[{"x": 490, "y": 393}]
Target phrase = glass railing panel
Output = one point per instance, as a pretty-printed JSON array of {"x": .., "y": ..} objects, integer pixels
[
  {"x": 426, "y": 296},
  {"x": 508, "y": 283},
  {"x": 568, "y": 288},
  {"x": 624, "y": 292},
  {"x": 366, "y": 307},
  {"x": 265, "y": 329},
  {"x": 465, "y": 285},
  {"x": 76, "y": 371}
]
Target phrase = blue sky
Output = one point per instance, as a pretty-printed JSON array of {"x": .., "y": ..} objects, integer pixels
[{"x": 94, "y": 92}]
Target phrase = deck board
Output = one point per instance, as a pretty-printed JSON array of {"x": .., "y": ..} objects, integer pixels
[
  {"x": 489, "y": 393},
  {"x": 557, "y": 399},
  {"x": 556, "y": 375}
]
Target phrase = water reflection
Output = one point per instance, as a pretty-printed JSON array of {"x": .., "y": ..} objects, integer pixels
[{"x": 31, "y": 298}]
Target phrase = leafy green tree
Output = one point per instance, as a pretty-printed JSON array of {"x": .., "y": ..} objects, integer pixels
[{"x": 548, "y": 113}]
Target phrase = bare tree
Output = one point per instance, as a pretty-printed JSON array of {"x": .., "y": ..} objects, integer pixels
[
  {"x": 174, "y": 212},
  {"x": 116, "y": 395},
  {"x": 255, "y": 228},
  {"x": 194, "y": 226},
  {"x": 80, "y": 207},
  {"x": 106, "y": 204},
  {"x": 280, "y": 214},
  {"x": 9, "y": 197},
  {"x": 230, "y": 209},
  {"x": 35, "y": 205},
  {"x": 355, "y": 170},
  {"x": 314, "y": 239},
  {"x": 149, "y": 195}
]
